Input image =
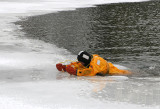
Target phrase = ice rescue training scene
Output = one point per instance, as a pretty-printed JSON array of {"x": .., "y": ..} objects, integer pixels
[{"x": 79, "y": 54}]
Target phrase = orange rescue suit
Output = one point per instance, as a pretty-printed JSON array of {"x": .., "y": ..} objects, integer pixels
[{"x": 98, "y": 66}]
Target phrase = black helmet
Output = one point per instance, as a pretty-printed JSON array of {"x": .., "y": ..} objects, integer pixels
[{"x": 84, "y": 57}]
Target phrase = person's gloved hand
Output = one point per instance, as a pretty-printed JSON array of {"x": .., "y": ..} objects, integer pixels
[
  {"x": 61, "y": 67},
  {"x": 71, "y": 70},
  {"x": 64, "y": 67}
]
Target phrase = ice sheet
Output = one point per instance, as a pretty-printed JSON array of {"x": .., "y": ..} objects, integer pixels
[
  {"x": 68, "y": 94},
  {"x": 51, "y": 5}
]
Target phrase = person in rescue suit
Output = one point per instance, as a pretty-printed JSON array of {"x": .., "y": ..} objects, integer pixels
[{"x": 91, "y": 65}]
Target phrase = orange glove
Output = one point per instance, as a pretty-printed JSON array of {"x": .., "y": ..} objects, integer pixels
[
  {"x": 64, "y": 67},
  {"x": 61, "y": 67},
  {"x": 71, "y": 70}
]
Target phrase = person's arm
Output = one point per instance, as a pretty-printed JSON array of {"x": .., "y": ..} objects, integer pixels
[
  {"x": 78, "y": 69},
  {"x": 85, "y": 72},
  {"x": 61, "y": 67},
  {"x": 70, "y": 68}
]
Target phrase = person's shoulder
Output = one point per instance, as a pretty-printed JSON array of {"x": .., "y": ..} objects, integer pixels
[{"x": 96, "y": 55}]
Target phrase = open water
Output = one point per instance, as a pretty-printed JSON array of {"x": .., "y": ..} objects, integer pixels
[{"x": 125, "y": 33}]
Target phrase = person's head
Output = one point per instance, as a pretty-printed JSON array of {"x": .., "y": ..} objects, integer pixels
[{"x": 84, "y": 58}]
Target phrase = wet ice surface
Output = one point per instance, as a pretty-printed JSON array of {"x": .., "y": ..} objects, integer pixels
[
  {"x": 71, "y": 92},
  {"x": 29, "y": 79}
]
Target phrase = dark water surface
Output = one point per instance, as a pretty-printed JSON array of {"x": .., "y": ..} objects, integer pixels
[{"x": 127, "y": 33}]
